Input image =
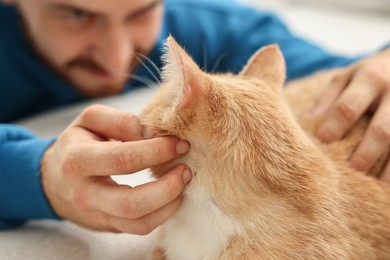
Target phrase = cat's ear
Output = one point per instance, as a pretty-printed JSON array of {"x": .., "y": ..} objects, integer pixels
[
  {"x": 267, "y": 64},
  {"x": 180, "y": 67}
]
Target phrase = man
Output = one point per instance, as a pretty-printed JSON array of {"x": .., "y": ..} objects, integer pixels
[{"x": 55, "y": 52}]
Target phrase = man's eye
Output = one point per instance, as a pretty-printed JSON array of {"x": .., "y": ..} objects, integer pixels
[{"x": 78, "y": 15}]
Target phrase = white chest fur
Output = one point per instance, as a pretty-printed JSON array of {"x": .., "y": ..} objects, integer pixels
[{"x": 199, "y": 230}]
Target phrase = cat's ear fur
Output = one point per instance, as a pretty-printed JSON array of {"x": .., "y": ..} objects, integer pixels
[
  {"x": 180, "y": 67},
  {"x": 267, "y": 64}
]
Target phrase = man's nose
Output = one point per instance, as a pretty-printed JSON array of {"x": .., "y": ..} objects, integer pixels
[{"x": 115, "y": 49}]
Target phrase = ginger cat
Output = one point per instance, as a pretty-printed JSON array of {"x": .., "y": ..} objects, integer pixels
[{"x": 263, "y": 188}]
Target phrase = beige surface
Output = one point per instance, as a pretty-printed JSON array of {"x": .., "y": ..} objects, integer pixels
[
  {"x": 339, "y": 30},
  {"x": 53, "y": 240}
]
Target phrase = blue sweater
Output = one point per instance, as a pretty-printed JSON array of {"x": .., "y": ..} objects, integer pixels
[{"x": 220, "y": 35}]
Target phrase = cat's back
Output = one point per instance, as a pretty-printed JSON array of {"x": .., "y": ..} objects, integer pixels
[{"x": 366, "y": 201}]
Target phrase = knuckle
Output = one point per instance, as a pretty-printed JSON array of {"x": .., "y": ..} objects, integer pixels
[
  {"x": 125, "y": 120},
  {"x": 377, "y": 76},
  {"x": 131, "y": 209},
  {"x": 70, "y": 162},
  {"x": 123, "y": 160},
  {"x": 338, "y": 78},
  {"x": 90, "y": 111},
  {"x": 361, "y": 162},
  {"x": 126, "y": 123},
  {"x": 346, "y": 111},
  {"x": 382, "y": 132},
  {"x": 111, "y": 224},
  {"x": 100, "y": 221},
  {"x": 79, "y": 199}
]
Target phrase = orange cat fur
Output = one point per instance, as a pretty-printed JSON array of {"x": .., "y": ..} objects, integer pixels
[{"x": 263, "y": 188}]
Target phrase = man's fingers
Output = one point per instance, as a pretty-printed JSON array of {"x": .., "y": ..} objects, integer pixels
[
  {"x": 110, "y": 123},
  {"x": 376, "y": 140},
  {"x": 134, "y": 203},
  {"x": 116, "y": 158},
  {"x": 354, "y": 101},
  {"x": 135, "y": 156},
  {"x": 336, "y": 86},
  {"x": 148, "y": 223}
]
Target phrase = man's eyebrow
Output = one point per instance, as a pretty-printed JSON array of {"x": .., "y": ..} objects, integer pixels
[
  {"x": 144, "y": 9},
  {"x": 63, "y": 6},
  {"x": 66, "y": 6}
]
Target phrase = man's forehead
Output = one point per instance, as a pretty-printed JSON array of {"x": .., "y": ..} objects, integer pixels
[{"x": 102, "y": 6}]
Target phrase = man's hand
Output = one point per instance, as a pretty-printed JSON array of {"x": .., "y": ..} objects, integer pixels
[
  {"x": 101, "y": 142},
  {"x": 361, "y": 87}
]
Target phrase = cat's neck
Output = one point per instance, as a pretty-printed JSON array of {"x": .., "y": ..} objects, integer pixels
[
  {"x": 291, "y": 156},
  {"x": 277, "y": 164},
  {"x": 278, "y": 150}
]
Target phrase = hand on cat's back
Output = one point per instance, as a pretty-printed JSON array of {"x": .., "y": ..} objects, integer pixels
[
  {"x": 362, "y": 87},
  {"x": 101, "y": 142}
]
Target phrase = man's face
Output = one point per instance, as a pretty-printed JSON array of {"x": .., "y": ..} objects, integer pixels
[{"x": 92, "y": 43}]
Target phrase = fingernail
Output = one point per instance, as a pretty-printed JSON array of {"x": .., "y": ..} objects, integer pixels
[
  {"x": 182, "y": 147},
  {"x": 187, "y": 176},
  {"x": 147, "y": 135}
]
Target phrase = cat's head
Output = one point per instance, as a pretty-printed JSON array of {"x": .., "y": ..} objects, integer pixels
[{"x": 221, "y": 115}]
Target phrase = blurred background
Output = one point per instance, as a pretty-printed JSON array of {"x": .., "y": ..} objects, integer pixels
[
  {"x": 381, "y": 5},
  {"x": 347, "y": 27}
]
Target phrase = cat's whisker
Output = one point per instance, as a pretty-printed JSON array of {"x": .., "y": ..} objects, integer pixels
[
  {"x": 146, "y": 67},
  {"x": 218, "y": 61},
  {"x": 150, "y": 61},
  {"x": 147, "y": 82},
  {"x": 205, "y": 56}
]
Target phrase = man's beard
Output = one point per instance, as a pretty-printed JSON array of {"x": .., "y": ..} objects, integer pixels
[{"x": 88, "y": 64}]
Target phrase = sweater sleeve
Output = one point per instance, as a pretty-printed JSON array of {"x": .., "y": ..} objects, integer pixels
[
  {"x": 386, "y": 46},
  {"x": 21, "y": 194}
]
